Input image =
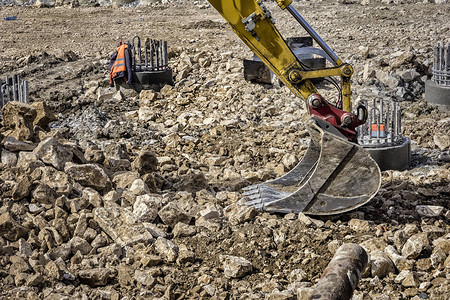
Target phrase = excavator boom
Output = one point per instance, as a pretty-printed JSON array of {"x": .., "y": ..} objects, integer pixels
[{"x": 335, "y": 175}]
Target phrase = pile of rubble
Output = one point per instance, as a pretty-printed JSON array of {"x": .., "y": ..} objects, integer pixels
[
  {"x": 122, "y": 194},
  {"x": 92, "y": 222}
]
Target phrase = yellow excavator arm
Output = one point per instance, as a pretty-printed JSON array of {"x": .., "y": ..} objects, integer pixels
[
  {"x": 335, "y": 175},
  {"x": 254, "y": 24}
]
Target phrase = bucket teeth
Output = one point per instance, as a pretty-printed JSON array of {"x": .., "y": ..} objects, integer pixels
[{"x": 333, "y": 177}]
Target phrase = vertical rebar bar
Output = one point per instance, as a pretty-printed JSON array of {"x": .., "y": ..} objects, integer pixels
[
  {"x": 26, "y": 96},
  {"x": 447, "y": 66},
  {"x": 19, "y": 91},
  {"x": 1, "y": 94},
  {"x": 14, "y": 88},
  {"x": 165, "y": 54},
  {"x": 161, "y": 56},
  {"x": 152, "y": 65},
  {"x": 133, "y": 54},
  {"x": 146, "y": 52},
  {"x": 157, "y": 54},
  {"x": 139, "y": 51}
]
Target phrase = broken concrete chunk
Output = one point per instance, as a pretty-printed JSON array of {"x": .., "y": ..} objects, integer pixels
[
  {"x": 52, "y": 152},
  {"x": 122, "y": 226},
  {"x": 234, "y": 266},
  {"x": 89, "y": 175}
]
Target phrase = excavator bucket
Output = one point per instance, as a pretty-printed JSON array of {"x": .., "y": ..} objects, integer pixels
[{"x": 333, "y": 177}]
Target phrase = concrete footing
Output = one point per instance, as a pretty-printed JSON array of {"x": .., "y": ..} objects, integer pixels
[
  {"x": 397, "y": 157},
  {"x": 437, "y": 95}
]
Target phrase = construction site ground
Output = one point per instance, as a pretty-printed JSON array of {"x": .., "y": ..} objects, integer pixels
[{"x": 212, "y": 134}]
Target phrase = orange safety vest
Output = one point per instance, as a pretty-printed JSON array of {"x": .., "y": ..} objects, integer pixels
[{"x": 119, "y": 63}]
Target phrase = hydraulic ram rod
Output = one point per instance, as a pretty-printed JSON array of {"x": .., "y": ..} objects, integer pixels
[{"x": 333, "y": 56}]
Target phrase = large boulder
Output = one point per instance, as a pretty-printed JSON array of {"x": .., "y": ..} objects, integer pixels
[
  {"x": 88, "y": 175},
  {"x": 52, "y": 152},
  {"x": 43, "y": 115},
  {"x": 18, "y": 119}
]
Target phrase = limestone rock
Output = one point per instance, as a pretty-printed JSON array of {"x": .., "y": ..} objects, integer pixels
[
  {"x": 19, "y": 117},
  {"x": 238, "y": 214},
  {"x": 124, "y": 180},
  {"x": 10, "y": 229},
  {"x": 183, "y": 230},
  {"x": 407, "y": 278},
  {"x": 14, "y": 145},
  {"x": 297, "y": 275},
  {"x": 94, "y": 277},
  {"x": 146, "y": 207},
  {"x": 80, "y": 244},
  {"x": 53, "y": 271},
  {"x": 146, "y": 162},
  {"x": 234, "y": 266},
  {"x": 138, "y": 187},
  {"x": 22, "y": 188},
  {"x": 171, "y": 214},
  {"x": 166, "y": 249},
  {"x": 57, "y": 180},
  {"x": 8, "y": 159},
  {"x": 185, "y": 255},
  {"x": 93, "y": 197},
  {"x": 145, "y": 278},
  {"x": 414, "y": 245},
  {"x": 442, "y": 141},
  {"x": 52, "y": 152},
  {"x": 387, "y": 79},
  {"x": 359, "y": 225},
  {"x": 380, "y": 263},
  {"x": 122, "y": 226},
  {"x": 43, "y": 115},
  {"x": 399, "y": 261},
  {"x": 443, "y": 243},
  {"x": 89, "y": 175},
  {"x": 44, "y": 194}
]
